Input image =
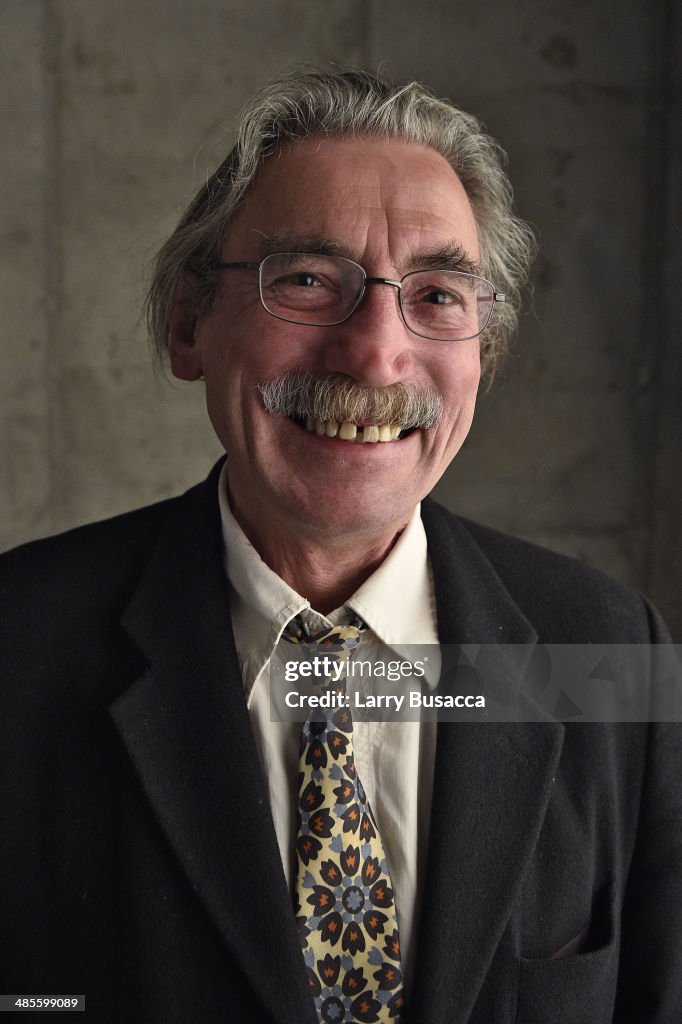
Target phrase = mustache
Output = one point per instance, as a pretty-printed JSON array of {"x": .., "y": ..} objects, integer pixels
[{"x": 334, "y": 396}]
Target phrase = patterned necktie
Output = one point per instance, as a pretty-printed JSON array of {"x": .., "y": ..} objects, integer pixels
[{"x": 344, "y": 899}]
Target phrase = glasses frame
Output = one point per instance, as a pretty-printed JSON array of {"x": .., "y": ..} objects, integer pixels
[{"x": 243, "y": 265}]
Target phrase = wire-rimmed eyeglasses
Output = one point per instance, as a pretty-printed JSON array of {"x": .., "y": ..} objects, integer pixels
[{"x": 322, "y": 291}]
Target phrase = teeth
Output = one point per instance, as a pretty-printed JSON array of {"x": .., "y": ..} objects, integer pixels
[{"x": 348, "y": 431}]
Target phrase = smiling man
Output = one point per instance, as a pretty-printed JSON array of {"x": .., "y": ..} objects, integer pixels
[
  {"x": 350, "y": 301},
  {"x": 171, "y": 849}
]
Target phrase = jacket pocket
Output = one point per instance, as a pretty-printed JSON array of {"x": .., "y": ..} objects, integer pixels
[{"x": 577, "y": 989}]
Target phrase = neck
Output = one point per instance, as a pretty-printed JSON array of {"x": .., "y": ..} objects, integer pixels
[{"x": 326, "y": 570}]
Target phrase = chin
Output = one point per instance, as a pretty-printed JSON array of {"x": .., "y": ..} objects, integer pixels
[{"x": 369, "y": 515}]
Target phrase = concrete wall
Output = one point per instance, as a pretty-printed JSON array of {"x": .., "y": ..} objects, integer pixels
[{"x": 113, "y": 111}]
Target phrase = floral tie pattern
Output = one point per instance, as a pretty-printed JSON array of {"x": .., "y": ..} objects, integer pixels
[{"x": 344, "y": 902}]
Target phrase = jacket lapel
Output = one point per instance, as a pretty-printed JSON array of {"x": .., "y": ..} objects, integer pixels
[
  {"x": 492, "y": 783},
  {"x": 187, "y": 731}
]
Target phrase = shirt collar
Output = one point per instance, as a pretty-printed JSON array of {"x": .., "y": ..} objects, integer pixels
[{"x": 397, "y": 601}]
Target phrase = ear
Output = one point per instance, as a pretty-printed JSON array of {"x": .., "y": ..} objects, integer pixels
[{"x": 185, "y": 355}]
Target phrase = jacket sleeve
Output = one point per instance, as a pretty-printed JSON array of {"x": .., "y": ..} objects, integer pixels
[{"x": 650, "y": 983}]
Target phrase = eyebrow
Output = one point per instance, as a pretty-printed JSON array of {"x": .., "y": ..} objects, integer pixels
[
  {"x": 318, "y": 244},
  {"x": 451, "y": 256}
]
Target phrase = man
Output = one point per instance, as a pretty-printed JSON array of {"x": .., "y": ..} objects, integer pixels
[{"x": 338, "y": 285}]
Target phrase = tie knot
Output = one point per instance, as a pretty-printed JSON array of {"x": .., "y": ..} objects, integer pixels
[
  {"x": 334, "y": 645},
  {"x": 335, "y": 639}
]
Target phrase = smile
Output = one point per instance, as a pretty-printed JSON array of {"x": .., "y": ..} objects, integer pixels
[{"x": 347, "y": 431}]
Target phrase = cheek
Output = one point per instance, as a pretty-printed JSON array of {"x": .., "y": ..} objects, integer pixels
[
  {"x": 258, "y": 351},
  {"x": 235, "y": 365},
  {"x": 459, "y": 388},
  {"x": 230, "y": 362},
  {"x": 458, "y": 384}
]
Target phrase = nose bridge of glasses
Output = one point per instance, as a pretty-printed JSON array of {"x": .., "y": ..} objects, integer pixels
[
  {"x": 379, "y": 280},
  {"x": 361, "y": 296},
  {"x": 384, "y": 280}
]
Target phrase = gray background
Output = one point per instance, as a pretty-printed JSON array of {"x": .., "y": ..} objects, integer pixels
[{"x": 113, "y": 112}]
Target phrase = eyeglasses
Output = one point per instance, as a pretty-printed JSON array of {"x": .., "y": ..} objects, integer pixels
[{"x": 321, "y": 291}]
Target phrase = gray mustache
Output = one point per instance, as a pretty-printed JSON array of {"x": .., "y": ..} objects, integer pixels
[{"x": 334, "y": 396}]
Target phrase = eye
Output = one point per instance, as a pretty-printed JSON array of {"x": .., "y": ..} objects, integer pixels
[
  {"x": 434, "y": 295},
  {"x": 301, "y": 280},
  {"x": 446, "y": 289},
  {"x": 440, "y": 297},
  {"x": 304, "y": 291}
]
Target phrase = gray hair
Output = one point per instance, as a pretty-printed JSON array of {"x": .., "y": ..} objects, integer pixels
[{"x": 343, "y": 103}]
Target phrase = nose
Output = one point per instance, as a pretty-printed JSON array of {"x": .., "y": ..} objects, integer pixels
[{"x": 374, "y": 346}]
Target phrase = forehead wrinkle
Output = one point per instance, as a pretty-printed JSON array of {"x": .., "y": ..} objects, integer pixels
[
  {"x": 411, "y": 255},
  {"x": 307, "y": 243}
]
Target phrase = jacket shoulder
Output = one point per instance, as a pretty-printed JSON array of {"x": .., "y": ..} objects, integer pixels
[
  {"x": 63, "y": 589},
  {"x": 81, "y": 551},
  {"x": 565, "y": 600}
]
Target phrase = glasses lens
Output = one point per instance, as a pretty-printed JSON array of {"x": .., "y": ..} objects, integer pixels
[
  {"x": 446, "y": 305},
  {"x": 308, "y": 288}
]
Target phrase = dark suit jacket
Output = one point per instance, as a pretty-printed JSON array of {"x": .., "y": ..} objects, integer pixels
[{"x": 139, "y": 864}]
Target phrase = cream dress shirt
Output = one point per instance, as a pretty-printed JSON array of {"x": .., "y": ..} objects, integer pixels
[{"x": 394, "y": 759}]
